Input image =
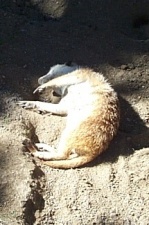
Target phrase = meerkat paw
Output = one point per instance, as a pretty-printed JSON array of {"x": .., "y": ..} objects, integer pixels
[
  {"x": 44, "y": 147},
  {"x": 42, "y": 155},
  {"x": 34, "y": 149},
  {"x": 27, "y": 104}
]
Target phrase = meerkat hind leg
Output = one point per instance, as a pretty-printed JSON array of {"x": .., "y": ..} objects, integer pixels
[{"x": 50, "y": 155}]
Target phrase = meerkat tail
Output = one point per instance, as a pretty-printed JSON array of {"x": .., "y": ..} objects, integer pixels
[
  {"x": 30, "y": 145},
  {"x": 69, "y": 163}
]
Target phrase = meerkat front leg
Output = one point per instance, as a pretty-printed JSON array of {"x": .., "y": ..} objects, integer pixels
[{"x": 58, "y": 109}]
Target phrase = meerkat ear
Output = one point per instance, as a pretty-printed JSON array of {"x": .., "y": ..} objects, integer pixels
[{"x": 69, "y": 63}]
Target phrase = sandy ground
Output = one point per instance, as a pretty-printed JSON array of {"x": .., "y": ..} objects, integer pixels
[{"x": 114, "y": 189}]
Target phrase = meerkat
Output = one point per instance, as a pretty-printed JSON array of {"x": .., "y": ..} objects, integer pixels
[{"x": 93, "y": 115}]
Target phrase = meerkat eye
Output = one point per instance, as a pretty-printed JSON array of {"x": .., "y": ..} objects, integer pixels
[{"x": 55, "y": 94}]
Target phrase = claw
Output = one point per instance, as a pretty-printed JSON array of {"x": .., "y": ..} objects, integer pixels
[
  {"x": 26, "y": 104},
  {"x": 30, "y": 145},
  {"x": 21, "y": 103}
]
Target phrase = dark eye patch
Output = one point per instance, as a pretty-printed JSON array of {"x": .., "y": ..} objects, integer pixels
[{"x": 55, "y": 94}]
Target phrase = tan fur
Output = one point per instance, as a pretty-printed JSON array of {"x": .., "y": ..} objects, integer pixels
[{"x": 93, "y": 117}]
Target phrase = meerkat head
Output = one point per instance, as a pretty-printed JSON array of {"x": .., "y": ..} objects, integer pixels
[
  {"x": 49, "y": 94},
  {"x": 57, "y": 71}
]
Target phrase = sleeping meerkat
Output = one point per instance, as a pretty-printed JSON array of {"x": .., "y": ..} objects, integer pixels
[{"x": 92, "y": 110}]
